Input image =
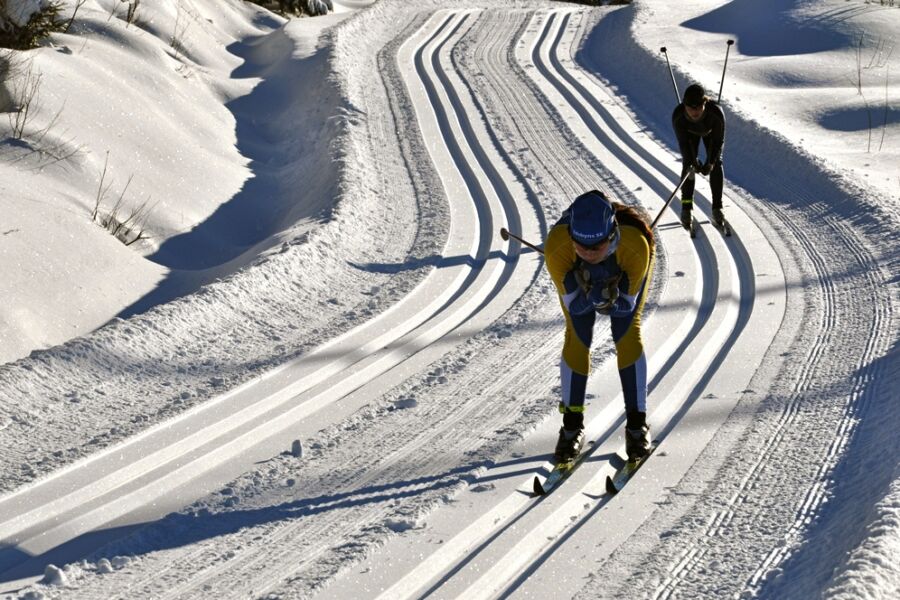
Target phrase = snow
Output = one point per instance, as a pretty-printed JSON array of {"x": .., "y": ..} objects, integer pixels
[{"x": 323, "y": 373}]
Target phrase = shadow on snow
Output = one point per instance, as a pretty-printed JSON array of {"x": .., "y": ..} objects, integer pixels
[{"x": 282, "y": 129}]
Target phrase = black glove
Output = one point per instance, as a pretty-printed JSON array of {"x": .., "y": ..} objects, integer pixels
[
  {"x": 706, "y": 168},
  {"x": 697, "y": 166}
]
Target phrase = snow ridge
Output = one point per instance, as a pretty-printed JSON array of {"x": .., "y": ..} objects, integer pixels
[{"x": 796, "y": 413}]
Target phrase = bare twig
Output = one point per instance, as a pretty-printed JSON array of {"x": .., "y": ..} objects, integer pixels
[
  {"x": 181, "y": 27},
  {"x": 869, "y": 117},
  {"x": 129, "y": 229},
  {"x": 859, "y": 65},
  {"x": 101, "y": 191},
  {"x": 78, "y": 5},
  {"x": 112, "y": 220},
  {"x": 137, "y": 222},
  {"x": 131, "y": 12},
  {"x": 39, "y": 135},
  {"x": 24, "y": 95}
]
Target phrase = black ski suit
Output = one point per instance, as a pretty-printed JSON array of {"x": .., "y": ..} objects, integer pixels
[{"x": 711, "y": 128}]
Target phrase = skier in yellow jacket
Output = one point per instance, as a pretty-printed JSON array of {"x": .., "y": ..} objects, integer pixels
[{"x": 600, "y": 257}]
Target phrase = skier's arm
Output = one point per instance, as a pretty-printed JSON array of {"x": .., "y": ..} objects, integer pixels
[
  {"x": 560, "y": 258},
  {"x": 718, "y": 134},
  {"x": 633, "y": 256},
  {"x": 681, "y": 134}
]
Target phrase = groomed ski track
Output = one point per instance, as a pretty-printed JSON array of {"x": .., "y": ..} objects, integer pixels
[
  {"x": 513, "y": 128},
  {"x": 473, "y": 283},
  {"x": 701, "y": 312},
  {"x": 524, "y": 547}
]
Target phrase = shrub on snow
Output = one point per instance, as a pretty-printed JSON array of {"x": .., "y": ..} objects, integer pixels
[{"x": 24, "y": 23}]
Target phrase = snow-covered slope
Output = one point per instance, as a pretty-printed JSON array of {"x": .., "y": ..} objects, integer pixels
[{"x": 367, "y": 309}]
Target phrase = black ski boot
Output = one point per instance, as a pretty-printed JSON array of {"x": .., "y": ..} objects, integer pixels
[
  {"x": 637, "y": 435},
  {"x": 718, "y": 217},
  {"x": 569, "y": 444},
  {"x": 686, "y": 214},
  {"x": 637, "y": 442}
]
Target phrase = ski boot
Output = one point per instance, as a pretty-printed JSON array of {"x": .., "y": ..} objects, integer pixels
[
  {"x": 718, "y": 220},
  {"x": 686, "y": 206},
  {"x": 637, "y": 442},
  {"x": 718, "y": 217},
  {"x": 568, "y": 447},
  {"x": 637, "y": 435}
]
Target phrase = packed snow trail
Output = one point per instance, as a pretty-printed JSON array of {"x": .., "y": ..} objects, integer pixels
[
  {"x": 472, "y": 563},
  {"x": 444, "y": 100},
  {"x": 134, "y": 482},
  {"x": 416, "y": 479}
]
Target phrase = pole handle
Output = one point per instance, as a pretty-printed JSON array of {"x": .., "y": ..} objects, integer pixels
[
  {"x": 506, "y": 234},
  {"x": 672, "y": 74},
  {"x": 725, "y": 66}
]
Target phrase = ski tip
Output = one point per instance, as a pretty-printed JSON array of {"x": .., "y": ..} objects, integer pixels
[
  {"x": 538, "y": 487},
  {"x": 610, "y": 486}
]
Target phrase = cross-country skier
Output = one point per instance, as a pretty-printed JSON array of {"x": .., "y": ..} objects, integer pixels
[
  {"x": 699, "y": 117},
  {"x": 600, "y": 256}
]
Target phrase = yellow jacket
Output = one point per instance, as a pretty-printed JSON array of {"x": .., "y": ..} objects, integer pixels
[{"x": 629, "y": 262}]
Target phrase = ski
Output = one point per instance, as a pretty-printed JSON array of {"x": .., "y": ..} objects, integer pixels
[
  {"x": 559, "y": 472},
  {"x": 616, "y": 481},
  {"x": 724, "y": 227}
]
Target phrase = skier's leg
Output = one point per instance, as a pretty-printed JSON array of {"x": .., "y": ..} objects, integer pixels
[
  {"x": 717, "y": 184},
  {"x": 687, "y": 195},
  {"x": 716, "y": 179},
  {"x": 632, "y": 363},
  {"x": 687, "y": 188},
  {"x": 574, "y": 367},
  {"x": 630, "y": 357}
]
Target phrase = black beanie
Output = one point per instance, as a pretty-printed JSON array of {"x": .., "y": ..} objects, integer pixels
[{"x": 694, "y": 94}]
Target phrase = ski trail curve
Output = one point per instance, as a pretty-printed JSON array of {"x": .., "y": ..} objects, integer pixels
[
  {"x": 494, "y": 554},
  {"x": 123, "y": 483}
]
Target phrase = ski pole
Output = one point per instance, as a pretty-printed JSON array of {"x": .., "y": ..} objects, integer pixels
[
  {"x": 506, "y": 234},
  {"x": 725, "y": 66},
  {"x": 672, "y": 74},
  {"x": 672, "y": 195}
]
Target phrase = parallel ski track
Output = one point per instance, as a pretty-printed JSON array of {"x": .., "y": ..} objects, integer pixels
[
  {"x": 832, "y": 323},
  {"x": 283, "y": 555},
  {"x": 558, "y": 151},
  {"x": 36, "y": 509},
  {"x": 837, "y": 306},
  {"x": 282, "y": 548},
  {"x": 457, "y": 554}
]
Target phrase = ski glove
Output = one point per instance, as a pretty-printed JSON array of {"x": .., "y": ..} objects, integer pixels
[
  {"x": 605, "y": 298},
  {"x": 697, "y": 167},
  {"x": 622, "y": 306},
  {"x": 706, "y": 169},
  {"x": 617, "y": 305}
]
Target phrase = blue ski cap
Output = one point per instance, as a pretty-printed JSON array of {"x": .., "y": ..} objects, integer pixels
[{"x": 593, "y": 219}]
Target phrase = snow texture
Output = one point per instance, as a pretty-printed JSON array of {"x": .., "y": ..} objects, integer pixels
[{"x": 322, "y": 373}]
